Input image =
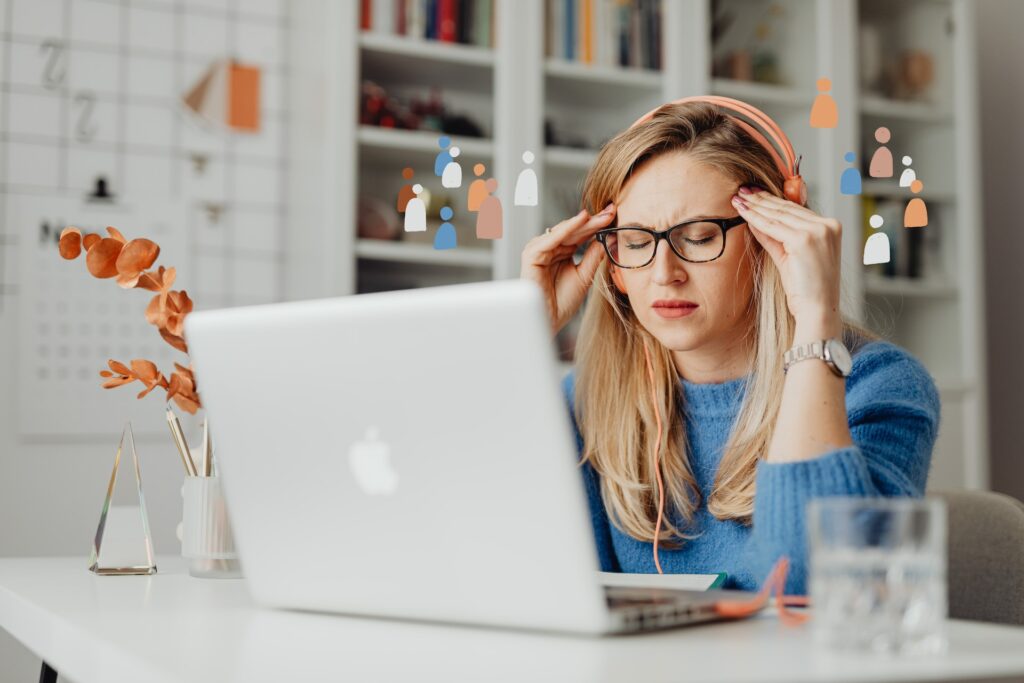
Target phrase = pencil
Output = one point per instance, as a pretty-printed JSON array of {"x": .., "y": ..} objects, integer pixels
[
  {"x": 179, "y": 440},
  {"x": 207, "y": 455}
]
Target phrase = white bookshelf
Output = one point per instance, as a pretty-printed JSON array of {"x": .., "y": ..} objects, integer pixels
[{"x": 512, "y": 88}]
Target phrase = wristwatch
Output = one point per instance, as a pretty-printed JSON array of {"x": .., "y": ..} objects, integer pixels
[{"x": 832, "y": 351}]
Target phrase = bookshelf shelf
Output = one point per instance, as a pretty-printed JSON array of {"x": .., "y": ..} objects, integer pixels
[
  {"x": 405, "y": 60},
  {"x": 430, "y": 50},
  {"x": 406, "y": 252},
  {"x": 885, "y": 188},
  {"x": 762, "y": 93},
  {"x": 623, "y": 77},
  {"x": 936, "y": 287},
  {"x": 920, "y": 112},
  {"x": 388, "y": 143}
]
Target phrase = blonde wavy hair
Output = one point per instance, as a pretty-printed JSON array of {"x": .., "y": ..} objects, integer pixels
[{"x": 613, "y": 406}]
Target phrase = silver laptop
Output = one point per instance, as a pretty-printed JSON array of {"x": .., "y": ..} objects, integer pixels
[{"x": 410, "y": 454}]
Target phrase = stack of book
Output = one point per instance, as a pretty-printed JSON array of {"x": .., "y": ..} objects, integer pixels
[
  {"x": 605, "y": 32},
  {"x": 469, "y": 22}
]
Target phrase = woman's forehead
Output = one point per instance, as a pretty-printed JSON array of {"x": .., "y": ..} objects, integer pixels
[{"x": 672, "y": 188}]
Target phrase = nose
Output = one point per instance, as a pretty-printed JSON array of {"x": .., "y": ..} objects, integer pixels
[{"x": 667, "y": 268}]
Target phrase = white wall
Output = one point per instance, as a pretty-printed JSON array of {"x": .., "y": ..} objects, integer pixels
[
  {"x": 1001, "y": 88},
  {"x": 135, "y": 57}
]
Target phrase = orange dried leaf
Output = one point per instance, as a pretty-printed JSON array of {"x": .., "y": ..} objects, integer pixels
[
  {"x": 116, "y": 234},
  {"x": 119, "y": 368},
  {"x": 134, "y": 258},
  {"x": 174, "y": 340},
  {"x": 155, "y": 313},
  {"x": 148, "y": 281},
  {"x": 145, "y": 370},
  {"x": 127, "y": 280},
  {"x": 117, "y": 381},
  {"x": 102, "y": 258},
  {"x": 70, "y": 244},
  {"x": 89, "y": 240},
  {"x": 188, "y": 404}
]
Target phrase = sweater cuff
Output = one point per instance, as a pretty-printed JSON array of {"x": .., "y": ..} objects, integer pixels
[{"x": 784, "y": 488}]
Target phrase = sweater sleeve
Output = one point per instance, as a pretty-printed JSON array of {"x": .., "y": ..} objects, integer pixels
[
  {"x": 893, "y": 411},
  {"x": 598, "y": 516}
]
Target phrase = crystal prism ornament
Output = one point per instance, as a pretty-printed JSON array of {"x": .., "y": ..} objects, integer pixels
[{"x": 123, "y": 544}]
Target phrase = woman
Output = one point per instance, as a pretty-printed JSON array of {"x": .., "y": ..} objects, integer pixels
[{"x": 698, "y": 325}]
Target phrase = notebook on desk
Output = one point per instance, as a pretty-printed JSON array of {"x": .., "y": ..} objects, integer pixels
[{"x": 693, "y": 582}]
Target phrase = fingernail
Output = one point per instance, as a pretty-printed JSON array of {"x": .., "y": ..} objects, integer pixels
[
  {"x": 582, "y": 211},
  {"x": 608, "y": 209},
  {"x": 738, "y": 201},
  {"x": 746, "y": 190}
]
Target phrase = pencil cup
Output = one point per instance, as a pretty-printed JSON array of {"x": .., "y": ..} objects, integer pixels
[{"x": 206, "y": 538}]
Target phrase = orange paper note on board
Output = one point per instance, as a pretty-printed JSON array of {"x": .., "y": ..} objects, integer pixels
[
  {"x": 244, "y": 102},
  {"x": 228, "y": 94}
]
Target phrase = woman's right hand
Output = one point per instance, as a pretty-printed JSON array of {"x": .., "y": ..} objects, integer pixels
[{"x": 547, "y": 260}]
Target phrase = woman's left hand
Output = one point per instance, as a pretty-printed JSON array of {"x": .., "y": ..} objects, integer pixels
[{"x": 806, "y": 249}]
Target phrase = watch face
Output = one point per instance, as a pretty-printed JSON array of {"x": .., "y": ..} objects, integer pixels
[{"x": 840, "y": 356}]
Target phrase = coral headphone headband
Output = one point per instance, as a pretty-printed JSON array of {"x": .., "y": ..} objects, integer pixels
[{"x": 789, "y": 165}]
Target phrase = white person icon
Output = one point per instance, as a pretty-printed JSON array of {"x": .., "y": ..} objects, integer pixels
[
  {"x": 416, "y": 212},
  {"x": 452, "y": 175},
  {"x": 876, "y": 249},
  {"x": 526, "y": 184}
]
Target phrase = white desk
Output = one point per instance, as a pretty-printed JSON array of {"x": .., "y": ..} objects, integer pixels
[{"x": 172, "y": 627}]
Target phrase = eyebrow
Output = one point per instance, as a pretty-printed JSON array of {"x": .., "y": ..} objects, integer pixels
[{"x": 701, "y": 217}]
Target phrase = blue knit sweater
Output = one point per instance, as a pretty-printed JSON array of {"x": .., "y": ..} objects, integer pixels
[{"x": 893, "y": 411}]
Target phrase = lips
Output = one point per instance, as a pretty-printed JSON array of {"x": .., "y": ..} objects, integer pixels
[{"x": 673, "y": 303}]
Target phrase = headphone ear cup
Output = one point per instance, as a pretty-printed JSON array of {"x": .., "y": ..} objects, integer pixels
[
  {"x": 795, "y": 190},
  {"x": 620, "y": 284}
]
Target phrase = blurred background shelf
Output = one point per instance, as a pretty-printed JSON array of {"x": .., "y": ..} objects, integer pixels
[
  {"x": 903, "y": 286},
  {"x": 873, "y": 105}
]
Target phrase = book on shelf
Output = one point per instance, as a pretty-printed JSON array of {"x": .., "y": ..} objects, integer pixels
[
  {"x": 470, "y": 22},
  {"x": 614, "y": 33}
]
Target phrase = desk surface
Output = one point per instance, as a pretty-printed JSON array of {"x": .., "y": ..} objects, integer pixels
[{"x": 173, "y": 627}]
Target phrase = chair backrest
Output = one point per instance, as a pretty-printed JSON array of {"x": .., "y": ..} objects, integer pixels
[{"x": 986, "y": 556}]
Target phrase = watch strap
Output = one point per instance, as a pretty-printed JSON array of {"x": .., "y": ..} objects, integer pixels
[{"x": 814, "y": 349}]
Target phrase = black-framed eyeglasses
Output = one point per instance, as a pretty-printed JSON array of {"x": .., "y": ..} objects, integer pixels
[{"x": 696, "y": 241}]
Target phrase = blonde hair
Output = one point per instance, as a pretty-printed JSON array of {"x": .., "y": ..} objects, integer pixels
[{"x": 613, "y": 405}]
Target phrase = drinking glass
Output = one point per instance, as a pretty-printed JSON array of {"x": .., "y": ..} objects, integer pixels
[{"x": 878, "y": 573}]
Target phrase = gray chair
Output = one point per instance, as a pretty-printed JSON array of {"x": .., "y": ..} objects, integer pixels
[{"x": 986, "y": 556}]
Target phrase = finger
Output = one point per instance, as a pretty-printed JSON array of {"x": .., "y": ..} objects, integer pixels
[
  {"x": 780, "y": 227},
  {"x": 772, "y": 246},
  {"x": 573, "y": 231},
  {"x": 783, "y": 215},
  {"x": 761, "y": 198},
  {"x": 592, "y": 258}
]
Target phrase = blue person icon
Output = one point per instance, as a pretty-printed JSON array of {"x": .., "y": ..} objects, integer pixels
[
  {"x": 850, "y": 181},
  {"x": 445, "y": 237}
]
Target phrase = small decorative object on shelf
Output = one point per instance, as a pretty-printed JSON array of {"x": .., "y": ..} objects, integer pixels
[
  {"x": 378, "y": 108},
  {"x": 123, "y": 544}
]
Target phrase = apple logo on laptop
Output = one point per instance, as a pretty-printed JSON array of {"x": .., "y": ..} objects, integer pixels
[{"x": 370, "y": 460}]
